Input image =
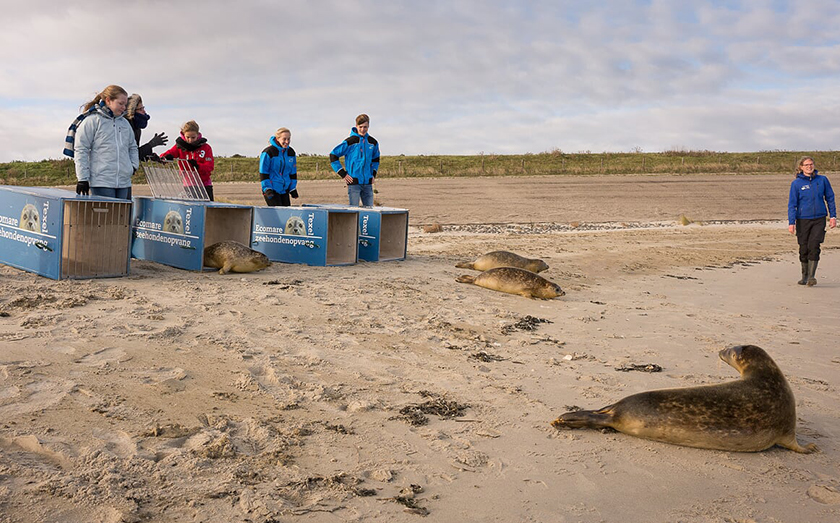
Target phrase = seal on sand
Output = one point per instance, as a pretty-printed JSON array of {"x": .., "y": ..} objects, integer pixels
[
  {"x": 232, "y": 256},
  {"x": 746, "y": 415},
  {"x": 515, "y": 281},
  {"x": 494, "y": 259}
]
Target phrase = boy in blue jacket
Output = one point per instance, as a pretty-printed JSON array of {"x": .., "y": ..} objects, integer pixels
[
  {"x": 278, "y": 170},
  {"x": 810, "y": 199},
  {"x": 361, "y": 161}
]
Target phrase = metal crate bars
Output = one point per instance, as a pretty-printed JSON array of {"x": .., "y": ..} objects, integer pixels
[
  {"x": 175, "y": 180},
  {"x": 91, "y": 231}
]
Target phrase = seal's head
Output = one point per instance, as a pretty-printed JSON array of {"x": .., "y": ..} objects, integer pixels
[
  {"x": 537, "y": 266},
  {"x": 749, "y": 360}
]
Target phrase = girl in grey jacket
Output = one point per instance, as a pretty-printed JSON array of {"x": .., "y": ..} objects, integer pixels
[{"x": 105, "y": 152}]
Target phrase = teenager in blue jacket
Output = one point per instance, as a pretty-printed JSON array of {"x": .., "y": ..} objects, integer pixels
[
  {"x": 361, "y": 161},
  {"x": 278, "y": 170},
  {"x": 811, "y": 198}
]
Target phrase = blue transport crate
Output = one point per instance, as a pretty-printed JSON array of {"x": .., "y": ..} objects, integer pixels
[
  {"x": 309, "y": 235},
  {"x": 382, "y": 233},
  {"x": 60, "y": 235},
  {"x": 175, "y": 232}
]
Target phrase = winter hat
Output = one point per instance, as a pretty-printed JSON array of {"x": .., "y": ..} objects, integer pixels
[{"x": 133, "y": 102}]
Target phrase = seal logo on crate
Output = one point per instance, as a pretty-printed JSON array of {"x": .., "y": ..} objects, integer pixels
[
  {"x": 173, "y": 222},
  {"x": 295, "y": 226},
  {"x": 29, "y": 220}
]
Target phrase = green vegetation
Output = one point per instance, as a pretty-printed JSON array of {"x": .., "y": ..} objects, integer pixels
[{"x": 556, "y": 162}]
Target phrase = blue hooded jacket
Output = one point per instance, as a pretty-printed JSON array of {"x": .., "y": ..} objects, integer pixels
[
  {"x": 278, "y": 168},
  {"x": 808, "y": 198},
  {"x": 361, "y": 157}
]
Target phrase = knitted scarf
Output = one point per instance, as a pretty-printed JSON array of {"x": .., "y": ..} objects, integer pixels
[{"x": 70, "y": 140}]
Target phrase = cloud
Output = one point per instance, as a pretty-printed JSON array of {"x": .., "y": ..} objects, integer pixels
[{"x": 436, "y": 77}]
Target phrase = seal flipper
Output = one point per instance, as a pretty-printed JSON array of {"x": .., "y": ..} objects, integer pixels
[
  {"x": 789, "y": 442},
  {"x": 466, "y": 278},
  {"x": 585, "y": 419}
]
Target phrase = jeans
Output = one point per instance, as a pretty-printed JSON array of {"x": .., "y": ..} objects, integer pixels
[
  {"x": 359, "y": 191},
  {"x": 123, "y": 193}
]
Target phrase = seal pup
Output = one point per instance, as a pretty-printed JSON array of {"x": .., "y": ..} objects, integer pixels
[
  {"x": 746, "y": 415},
  {"x": 29, "y": 220},
  {"x": 514, "y": 280},
  {"x": 173, "y": 222},
  {"x": 232, "y": 256},
  {"x": 494, "y": 259},
  {"x": 295, "y": 226}
]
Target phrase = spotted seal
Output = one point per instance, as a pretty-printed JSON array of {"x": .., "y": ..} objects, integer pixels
[
  {"x": 494, "y": 259},
  {"x": 747, "y": 415},
  {"x": 515, "y": 281},
  {"x": 232, "y": 256}
]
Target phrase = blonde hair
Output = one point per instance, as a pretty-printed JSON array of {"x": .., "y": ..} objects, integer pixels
[
  {"x": 110, "y": 92},
  {"x": 801, "y": 161},
  {"x": 280, "y": 131},
  {"x": 362, "y": 118},
  {"x": 190, "y": 126}
]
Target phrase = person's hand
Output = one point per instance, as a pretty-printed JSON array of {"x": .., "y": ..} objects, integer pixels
[
  {"x": 348, "y": 179},
  {"x": 168, "y": 157},
  {"x": 159, "y": 139},
  {"x": 193, "y": 164},
  {"x": 792, "y": 229},
  {"x": 83, "y": 188},
  {"x": 293, "y": 193},
  {"x": 832, "y": 223},
  {"x": 269, "y": 193}
]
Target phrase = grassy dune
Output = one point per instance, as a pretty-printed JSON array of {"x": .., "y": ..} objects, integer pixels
[{"x": 310, "y": 167}]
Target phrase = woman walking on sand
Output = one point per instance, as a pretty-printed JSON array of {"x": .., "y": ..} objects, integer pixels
[{"x": 811, "y": 198}]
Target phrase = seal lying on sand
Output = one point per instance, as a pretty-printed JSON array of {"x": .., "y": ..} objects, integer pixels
[
  {"x": 494, "y": 259},
  {"x": 232, "y": 256},
  {"x": 514, "y": 281},
  {"x": 746, "y": 415}
]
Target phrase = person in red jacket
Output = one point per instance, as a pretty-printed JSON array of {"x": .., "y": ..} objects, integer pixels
[{"x": 191, "y": 146}]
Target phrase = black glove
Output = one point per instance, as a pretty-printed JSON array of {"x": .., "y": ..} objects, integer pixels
[
  {"x": 153, "y": 158},
  {"x": 269, "y": 193},
  {"x": 159, "y": 139},
  {"x": 168, "y": 157},
  {"x": 83, "y": 188},
  {"x": 293, "y": 193},
  {"x": 193, "y": 164}
]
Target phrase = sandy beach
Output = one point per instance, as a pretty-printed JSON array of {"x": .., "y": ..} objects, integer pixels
[{"x": 389, "y": 392}]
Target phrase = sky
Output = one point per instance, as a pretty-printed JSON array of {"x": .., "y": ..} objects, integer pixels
[{"x": 436, "y": 77}]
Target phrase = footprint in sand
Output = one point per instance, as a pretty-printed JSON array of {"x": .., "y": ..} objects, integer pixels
[
  {"x": 824, "y": 495},
  {"x": 33, "y": 396},
  {"x": 104, "y": 357}
]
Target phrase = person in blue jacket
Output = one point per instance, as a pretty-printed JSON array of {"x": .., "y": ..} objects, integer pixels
[
  {"x": 811, "y": 198},
  {"x": 278, "y": 170},
  {"x": 361, "y": 161}
]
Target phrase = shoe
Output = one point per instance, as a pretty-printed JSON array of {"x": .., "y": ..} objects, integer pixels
[
  {"x": 804, "y": 279},
  {"x": 812, "y": 270}
]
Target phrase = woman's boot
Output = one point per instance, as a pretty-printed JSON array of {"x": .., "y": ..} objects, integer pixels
[
  {"x": 804, "y": 279},
  {"x": 812, "y": 270}
]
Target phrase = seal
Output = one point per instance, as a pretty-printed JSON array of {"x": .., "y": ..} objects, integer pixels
[
  {"x": 232, "y": 256},
  {"x": 515, "y": 281},
  {"x": 494, "y": 259},
  {"x": 747, "y": 415}
]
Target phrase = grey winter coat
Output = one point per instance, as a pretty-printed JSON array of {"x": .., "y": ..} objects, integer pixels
[{"x": 105, "y": 150}]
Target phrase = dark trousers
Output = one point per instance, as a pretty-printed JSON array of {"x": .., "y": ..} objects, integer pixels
[
  {"x": 810, "y": 234},
  {"x": 279, "y": 200}
]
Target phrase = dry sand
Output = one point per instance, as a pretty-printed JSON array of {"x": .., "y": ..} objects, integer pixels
[{"x": 287, "y": 394}]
